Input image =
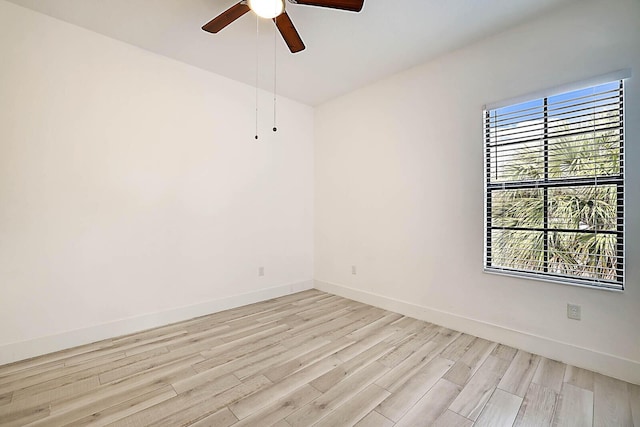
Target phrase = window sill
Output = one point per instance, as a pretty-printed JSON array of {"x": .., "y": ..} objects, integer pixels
[{"x": 569, "y": 282}]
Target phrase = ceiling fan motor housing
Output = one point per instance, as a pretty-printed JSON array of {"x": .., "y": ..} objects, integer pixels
[{"x": 275, "y": 9}]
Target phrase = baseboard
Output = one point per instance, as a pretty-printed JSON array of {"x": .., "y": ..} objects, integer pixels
[
  {"x": 606, "y": 364},
  {"x": 49, "y": 344}
]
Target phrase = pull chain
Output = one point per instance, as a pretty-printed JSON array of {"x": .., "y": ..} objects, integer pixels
[
  {"x": 275, "y": 69},
  {"x": 257, "y": 64}
]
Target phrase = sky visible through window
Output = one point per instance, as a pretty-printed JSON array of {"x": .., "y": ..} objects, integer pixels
[{"x": 533, "y": 110}]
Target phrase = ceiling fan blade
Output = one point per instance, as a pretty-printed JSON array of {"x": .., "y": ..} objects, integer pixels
[
  {"x": 350, "y": 5},
  {"x": 226, "y": 17},
  {"x": 289, "y": 32}
]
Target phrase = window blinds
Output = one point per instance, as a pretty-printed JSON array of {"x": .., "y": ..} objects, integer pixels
[{"x": 554, "y": 199}]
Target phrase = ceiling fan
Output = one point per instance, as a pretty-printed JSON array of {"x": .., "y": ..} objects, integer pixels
[{"x": 275, "y": 9}]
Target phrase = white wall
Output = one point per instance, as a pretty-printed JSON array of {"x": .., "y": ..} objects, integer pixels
[
  {"x": 399, "y": 190},
  {"x": 132, "y": 192}
]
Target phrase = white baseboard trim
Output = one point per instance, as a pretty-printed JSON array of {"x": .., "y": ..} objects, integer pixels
[
  {"x": 606, "y": 364},
  {"x": 36, "y": 347}
]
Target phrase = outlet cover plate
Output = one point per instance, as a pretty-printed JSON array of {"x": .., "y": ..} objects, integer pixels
[{"x": 573, "y": 312}]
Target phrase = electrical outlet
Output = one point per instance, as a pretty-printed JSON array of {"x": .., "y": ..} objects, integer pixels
[
  {"x": 353, "y": 269},
  {"x": 573, "y": 311},
  {"x": 260, "y": 271}
]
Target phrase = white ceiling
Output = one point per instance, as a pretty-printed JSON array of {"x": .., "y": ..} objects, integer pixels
[{"x": 344, "y": 50}]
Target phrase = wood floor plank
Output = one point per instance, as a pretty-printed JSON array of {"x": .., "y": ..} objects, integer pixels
[
  {"x": 355, "y": 409},
  {"x": 272, "y": 314},
  {"x": 383, "y": 323},
  {"x": 611, "y": 402},
  {"x": 203, "y": 377},
  {"x": 222, "y": 418},
  {"x": 63, "y": 392},
  {"x": 550, "y": 374},
  {"x": 500, "y": 411},
  {"x": 433, "y": 404},
  {"x": 400, "y": 374},
  {"x": 470, "y": 361},
  {"x": 345, "y": 330},
  {"x": 240, "y": 353},
  {"x": 6, "y": 398},
  {"x": 281, "y": 408},
  {"x": 160, "y": 342},
  {"x": 335, "y": 396},
  {"x": 479, "y": 389},
  {"x": 63, "y": 377},
  {"x": 325, "y": 328},
  {"x": 206, "y": 325},
  {"x": 150, "y": 335},
  {"x": 283, "y": 370},
  {"x": 445, "y": 335},
  {"x": 366, "y": 312},
  {"x": 122, "y": 410},
  {"x": 504, "y": 352},
  {"x": 408, "y": 324},
  {"x": 478, "y": 352},
  {"x": 263, "y": 365},
  {"x": 23, "y": 416},
  {"x": 337, "y": 374},
  {"x": 458, "y": 347},
  {"x": 318, "y": 308},
  {"x": 250, "y": 331},
  {"x": 374, "y": 419},
  {"x": 451, "y": 419},
  {"x": 181, "y": 402},
  {"x": 538, "y": 407},
  {"x": 216, "y": 335},
  {"x": 237, "y": 350},
  {"x": 94, "y": 357},
  {"x": 575, "y": 407},
  {"x": 194, "y": 413},
  {"x": 158, "y": 377},
  {"x": 317, "y": 325},
  {"x": 190, "y": 411},
  {"x": 268, "y": 395},
  {"x": 60, "y": 376},
  {"x": 122, "y": 404},
  {"x": 408, "y": 347},
  {"x": 145, "y": 365},
  {"x": 520, "y": 373},
  {"x": 365, "y": 342},
  {"x": 255, "y": 340},
  {"x": 399, "y": 403},
  {"x": 18, "y": 372},
  {"x": 52, "y": 358},
  {"x": 133, "y": 347},
  {"x": 634, "y": 399},
  {"x": 293, "y": 340},
  {"x": 579, "y": 377}
]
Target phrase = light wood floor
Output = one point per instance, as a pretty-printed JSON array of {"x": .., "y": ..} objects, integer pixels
[{"x": 308, "y": 359}]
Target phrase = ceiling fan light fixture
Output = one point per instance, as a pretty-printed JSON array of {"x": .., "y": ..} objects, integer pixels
[{"x": 267, "y": 8}]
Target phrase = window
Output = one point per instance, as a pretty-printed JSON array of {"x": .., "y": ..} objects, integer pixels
[{"x": 554, "y": 187}]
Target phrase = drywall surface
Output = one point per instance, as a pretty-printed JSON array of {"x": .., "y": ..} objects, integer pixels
[
  {"x": 399, "y": 189},
  {"x": 132, "y": 191}
]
